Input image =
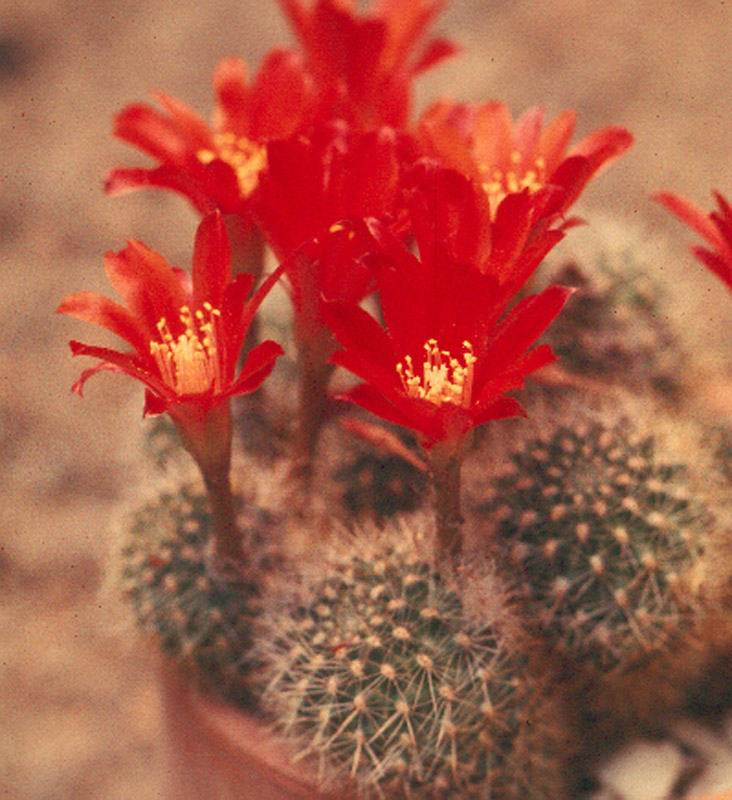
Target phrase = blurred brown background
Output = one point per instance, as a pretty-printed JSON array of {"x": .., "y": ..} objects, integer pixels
[{"x": 78, "y": 713}]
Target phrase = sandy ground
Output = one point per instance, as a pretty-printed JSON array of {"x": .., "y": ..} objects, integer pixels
[{"x": 78, "y": 708}]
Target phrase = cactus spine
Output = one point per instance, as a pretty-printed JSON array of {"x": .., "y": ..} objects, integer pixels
[
  {"x": 602, "y": 542},
  {"x": 383, "y": 681},
  {"x": 201, "y": 616}
]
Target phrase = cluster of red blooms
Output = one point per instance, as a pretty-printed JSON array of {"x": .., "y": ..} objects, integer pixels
[{"x": 319, "y": 155}]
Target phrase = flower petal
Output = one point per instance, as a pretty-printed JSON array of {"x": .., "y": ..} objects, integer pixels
[
  {"x": 259, "y": 364},
  {"x": 280, "y": 101},
  {"x": 442, "y": 132},
  {"x": 106, "y": 313},
  {"x": 603, "y": 147},
  {"x": 144, "y": 127},
  {"x": 528, "y": 133},
  {"x": 555, "y": 140},
  {"x": 501, "y": 408},
  {"x": 192, "y": 127},
  {"x": 148, "y": 285},
  {"x": 493, "y": 136},
  {"x": 437, "y": 50},
  {"x": 370, "y": 399},
  {"x": 298, "y": 16},
  {"x": 115, "y": 361},
  {"x": 407, "y": 294},
  {"x": 358, "y": 332},
  {"x": 513, "y": 374},
  {"x": 211, "y": 262},
  {"x": 385, "y": 380},
  {"x": 693, "y": 216},
  {"x": 187, "y": 183},
  {"x": 521, "y": 327},
  {"x": 718, "y": 263}
]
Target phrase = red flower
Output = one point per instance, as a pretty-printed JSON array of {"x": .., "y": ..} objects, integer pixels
[
  {"x": 505, "y": 157},
  {"x": 311, "y": 185},
  {"x": 314, "y": 181},
  {"x": 217, "y": 166},
  {"x": 365, "y": 65},
  {"x": 715, "y": 228},
  {"x": 185, "y": 333},
  {"x": 450, "y": 351}
]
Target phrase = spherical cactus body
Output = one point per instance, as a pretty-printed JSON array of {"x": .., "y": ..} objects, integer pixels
[
  {"x": 200, "y": 612},
  {"x": 384, "y": 682},
  {"x": 616, "y": 328},
  {"x": 383, "y": 485},
  {"x": 604, "y": 549}
]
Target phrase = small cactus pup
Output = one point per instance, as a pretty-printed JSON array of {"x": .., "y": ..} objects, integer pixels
[
  {"x": 201, "y": 616},
  {"x": 381, "y": 680},
  {"x": 604, "y": 546},
  {"x": 617, "y": 328},
  {"x": 387, "y": 478},
  {"x": 186, "y": 333},
  {"x": 449, "y": 350}
]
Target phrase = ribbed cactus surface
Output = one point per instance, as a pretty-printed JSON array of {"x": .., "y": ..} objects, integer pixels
[
  {"x": 381, "y": 485},
  {"x": 601, "y": 539},
  {"x": 617, "y": 328},
  {"x": 383, "y": 681},
  {"x": 200, "y": 613}
]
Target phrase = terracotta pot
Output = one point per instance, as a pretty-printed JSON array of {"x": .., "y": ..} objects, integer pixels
[{"x": 216, "y": 752}]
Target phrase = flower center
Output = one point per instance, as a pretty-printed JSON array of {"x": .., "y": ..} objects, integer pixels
[
  {"x": 444, "y": 379},
  {"x": 190, "y": 364},
  {"x": 498, "y": 184},
  {"x": 245, "y": 157}
]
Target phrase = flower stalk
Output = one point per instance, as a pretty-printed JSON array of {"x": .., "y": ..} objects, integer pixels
[
  {"x": 207, "y": 437},
  {"x": 315, "y": 375},
  {"x": 448, "y": 519}
]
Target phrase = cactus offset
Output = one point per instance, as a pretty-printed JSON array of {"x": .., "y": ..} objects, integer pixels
[
  {"x": 383, "y": 485},
  {"x": 383, "y": 681},
  {"x": 201, "y": 616},
  {"x": 601, "y": 540},
  {"x": 616, "y": 327}
]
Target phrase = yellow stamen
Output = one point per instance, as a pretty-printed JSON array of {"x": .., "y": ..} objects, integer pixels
[
  {"x": 245, "y": 157},
  {"x": 190, "y": 364},
  {"x": 516, "y": 179},
  {"x": 444, "y": 379}
]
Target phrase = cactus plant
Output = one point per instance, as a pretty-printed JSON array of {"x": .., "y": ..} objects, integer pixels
[
  {"x": 384, "y": 680},
  {"x": 383, "y": 485},
  {"x": 602, "y": 541},
  {"x": 616, "y": 327},
  {"x": 200, "y": 612}
]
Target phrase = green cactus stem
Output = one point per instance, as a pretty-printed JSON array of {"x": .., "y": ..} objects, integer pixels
[
  {"x": 201, "y": 614},
  {"x": 383, "y": 682},
  {"x": 602, "y": 541},
  {"x": 617, "y": 328}
]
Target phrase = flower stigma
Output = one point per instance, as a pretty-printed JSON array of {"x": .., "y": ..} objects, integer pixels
[
  {"x": 245, "y": 157},
  {"x": 498, "y": 184},
  {"x": 190, "y": 364},
  {"x": 444, "y": 379}
]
